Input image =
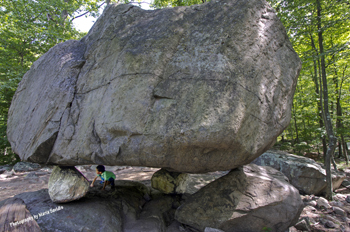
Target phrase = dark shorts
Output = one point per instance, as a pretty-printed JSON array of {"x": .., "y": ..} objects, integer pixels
[{"x": 111, "y": 180}]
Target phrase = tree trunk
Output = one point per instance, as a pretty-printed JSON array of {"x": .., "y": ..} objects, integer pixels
[
  {"x": 345, "y": 150},
  {"x": 319, "y": 93},
  {"x": 296, "y": 126},
  {"x": 338, "y": 124},
  {"x": 327, "y": 117}
]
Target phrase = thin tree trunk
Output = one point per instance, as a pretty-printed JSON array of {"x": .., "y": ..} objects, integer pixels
[
  {"x": 319, "y": 93},
  {"x": 338, "y": 124},
  {"x": 295, "y": 125},
  {"x": 327, "y": 118},
  {"x": 345, "y": 150},
  {"x": 324, "y": 144}
]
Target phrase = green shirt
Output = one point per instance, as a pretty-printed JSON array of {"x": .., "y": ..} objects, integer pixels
[{"x": 106, "y": 175}]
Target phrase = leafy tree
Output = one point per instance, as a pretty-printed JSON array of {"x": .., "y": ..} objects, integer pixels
[
  {"x": 320, "y": 32},
  {"x": 173, "y": 3}
]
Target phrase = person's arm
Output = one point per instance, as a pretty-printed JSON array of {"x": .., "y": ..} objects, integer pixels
[{"x": 92, "y": 184}]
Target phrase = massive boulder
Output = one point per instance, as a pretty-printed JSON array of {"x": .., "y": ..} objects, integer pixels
[
  {"x": 246, "y": 199},
  {"x": 191, "y": 89},
  {"x": 305, "y": 174}
]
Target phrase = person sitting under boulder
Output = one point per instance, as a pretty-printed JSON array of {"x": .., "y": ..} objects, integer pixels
[{"x": 107, "y": 177}]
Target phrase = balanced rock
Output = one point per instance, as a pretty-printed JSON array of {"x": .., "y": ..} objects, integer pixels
[
  {"x": 303, "y": 173},
  {"x": 190, "y": 89},
  {"x": 67, "y": 184},
  {"x": 247, "y": 199}
]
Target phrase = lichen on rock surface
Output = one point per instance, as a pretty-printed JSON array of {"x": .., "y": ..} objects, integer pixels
[{"x": 190, "y": 89}]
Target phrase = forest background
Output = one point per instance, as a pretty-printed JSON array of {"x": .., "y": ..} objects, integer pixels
[{"x": 319, "y": 31}]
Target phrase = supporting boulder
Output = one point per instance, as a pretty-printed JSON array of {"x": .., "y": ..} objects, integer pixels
[
  {"x": 169, "y": 182},
  {"x": 247, "y": 199},
  {"x": 180, "y": 183},
  {"x": 303, "y": 173},
  {"x": 67, "y": 184}
]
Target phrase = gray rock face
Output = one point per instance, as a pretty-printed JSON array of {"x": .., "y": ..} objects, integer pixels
[
  {"x": 5, "y": 168},
  {"x": 67, "y": 184},
  {"x": 191, "y": 89},
  {"x": 246, "y": 199},
  {"x": 41, "y": 98},
  {"x": 14, "y": 216},
  {"x": 303, "y": 225},
  {"x": 303, "y": 173},
  {"x": 88, "y": 214}
]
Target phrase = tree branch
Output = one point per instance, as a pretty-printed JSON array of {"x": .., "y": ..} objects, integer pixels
[{"x": 85, "y": 13}]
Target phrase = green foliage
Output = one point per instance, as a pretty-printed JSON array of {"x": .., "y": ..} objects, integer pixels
[
  {"x": 173, "y": 3},
  {"x": 266, "y": 229},
  {"x": 300, "y": 19},
  {"x": 28, "y": 29}
]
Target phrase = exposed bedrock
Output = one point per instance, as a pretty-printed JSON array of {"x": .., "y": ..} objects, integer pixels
[{"x": 190, "y": 89}]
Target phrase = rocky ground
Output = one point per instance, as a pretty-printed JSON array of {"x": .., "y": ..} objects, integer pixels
[
  {"x": 12, "y": 182},
  {"x": 318, "y": 214}
]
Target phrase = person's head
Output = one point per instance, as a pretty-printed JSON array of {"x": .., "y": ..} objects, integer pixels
[{"x": 100, "y": 169}]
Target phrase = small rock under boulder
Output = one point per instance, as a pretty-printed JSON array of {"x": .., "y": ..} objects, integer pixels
[
  {"x": 182, "y": 183},
  {"x": 169, "y": 182},
  {"x": 247, "y": 199},
  {"x": 303, "y": 173},
  {"x": 67, "y": 184}
]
